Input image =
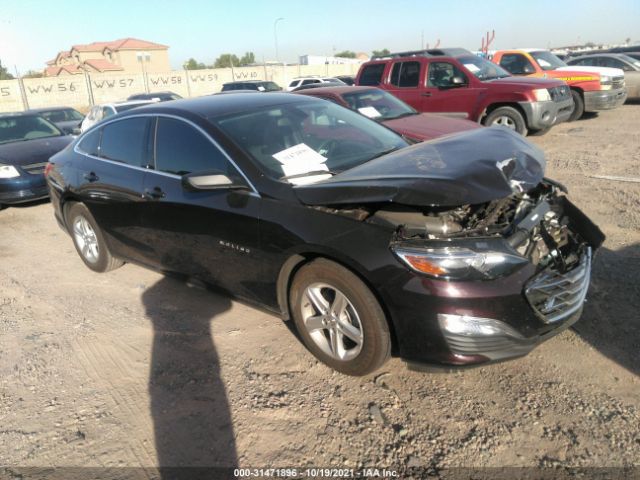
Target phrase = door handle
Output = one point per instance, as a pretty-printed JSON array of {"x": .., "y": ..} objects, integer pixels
[
  {"x": 154, "y": 194},
  {"x": 425, "y": 94},
  {"x": 91, "y": 177}
]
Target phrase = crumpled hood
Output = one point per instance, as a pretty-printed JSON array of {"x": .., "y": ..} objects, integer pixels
[
  {"x": 612, "y": 72},
  {"x": 468, "y": 168},
  {"x": 32, "y": 151}
]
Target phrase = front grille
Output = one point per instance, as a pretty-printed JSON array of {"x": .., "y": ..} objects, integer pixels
[
  {"x": 555, "y": 296},
  {"x": 35, "y": 168},
  {"x": 618, "y": 82},
  {"x": 559, "y": 94}
]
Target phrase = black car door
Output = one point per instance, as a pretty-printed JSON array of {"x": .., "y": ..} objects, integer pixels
[
  {"x": 208, "y": 234},
  {"x": 110, "y": 175}
]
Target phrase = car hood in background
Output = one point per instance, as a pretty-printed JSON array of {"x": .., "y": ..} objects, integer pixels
[
  {"x": 32, "y": 151},
  {"x": 427, "y": 126},
  {"x": 612, "y": 72},
  {"x": 469, "y": 168}
]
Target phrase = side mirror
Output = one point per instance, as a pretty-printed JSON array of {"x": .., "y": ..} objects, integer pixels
[
  {"x": 76, "y": 131},
  {"x": 210, "y": 180}
]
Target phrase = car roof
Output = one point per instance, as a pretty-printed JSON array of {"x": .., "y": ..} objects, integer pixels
[
  {"x": 28, "y": 113},
  {"x": 338, "y": 90},
  {"x": 214, "y": 105},
  {"x": 128, "y": 102},
  {"x": 613, "y": 55},
  {"x": 50, "y": 109},
  {"x": 246, "y": 81}
]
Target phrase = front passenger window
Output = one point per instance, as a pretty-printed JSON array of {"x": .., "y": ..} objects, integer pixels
[{"x": 181, "y": 149}]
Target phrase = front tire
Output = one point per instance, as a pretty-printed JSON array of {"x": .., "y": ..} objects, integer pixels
[
  {"x": 578, "y": 106},
  {"x": 507, "y": 117},
  {"x": 339, "y": 319},
  {"x": 89, "y": 240}
]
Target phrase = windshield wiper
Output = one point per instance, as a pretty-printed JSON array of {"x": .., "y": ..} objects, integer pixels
[
  {"x": 308, "y": 174},
  {"x": 405, "y": 114},
  {"x": 384, "y": 152}
]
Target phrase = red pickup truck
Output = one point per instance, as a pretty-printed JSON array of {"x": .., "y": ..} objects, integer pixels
[{"x": 455, "y": 82}]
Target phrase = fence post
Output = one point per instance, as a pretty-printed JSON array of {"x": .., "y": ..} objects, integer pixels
[
  {"x": 87, "y": 79},
  {"x": 186, "y": 76},
  {"x": 23, "y": 94}
]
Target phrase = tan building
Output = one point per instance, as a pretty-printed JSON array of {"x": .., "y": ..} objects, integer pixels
[{"x": 128, "y": 55}]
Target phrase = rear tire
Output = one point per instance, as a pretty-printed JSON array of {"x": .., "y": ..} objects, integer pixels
[
  {"x": 578, "y": 106},
  {"x": 507, "y": 117},
  {"x": 89, "y": 240},
  {"x": 339, "y": 319}
]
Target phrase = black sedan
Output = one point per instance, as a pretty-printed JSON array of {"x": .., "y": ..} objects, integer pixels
[
  {"x": 26, "y": 143},
  {"x": 66, "y": 119},
  {"x": 456, "y": 251}
]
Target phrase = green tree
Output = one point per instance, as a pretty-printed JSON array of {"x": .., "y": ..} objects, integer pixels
[
  {"x": 248, "y": 59},
  {"x": 33, "y": 74},
  {"x": 4, "y": 74},
  {"x": 192, "y": 64},
  {"x": 346, "y": 54},
  {"x": 381, "y": 53},
  {"x": 226, "y": 60}
]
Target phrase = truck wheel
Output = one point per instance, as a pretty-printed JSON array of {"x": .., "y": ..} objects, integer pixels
[
  {"x": 578, "y": 106},
  {"x": 507, "y": 117},
  {"x": 339, "y": 319}
]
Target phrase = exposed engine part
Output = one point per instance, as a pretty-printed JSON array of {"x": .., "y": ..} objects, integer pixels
[{"x": 415, "y": 222}]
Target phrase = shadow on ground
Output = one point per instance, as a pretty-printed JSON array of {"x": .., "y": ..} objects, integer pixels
[
  {"x": 611, "y": 318},
  {"x": 189, "y": 406}
]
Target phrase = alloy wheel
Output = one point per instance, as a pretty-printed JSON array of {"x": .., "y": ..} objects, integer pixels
[
  {"x": 505, "y": 121},
  {"x": 86, "y": 239},
  {"x": 332, "y": 321}
]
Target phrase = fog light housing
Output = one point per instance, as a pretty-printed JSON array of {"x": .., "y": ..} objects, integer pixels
[{"x": 468, "y": 326}]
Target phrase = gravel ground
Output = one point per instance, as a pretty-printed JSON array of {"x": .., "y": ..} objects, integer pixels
[{"x": 131, "y": 369}]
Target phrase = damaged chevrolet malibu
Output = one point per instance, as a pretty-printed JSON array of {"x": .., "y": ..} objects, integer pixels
[{"x": 456, "y": 251}]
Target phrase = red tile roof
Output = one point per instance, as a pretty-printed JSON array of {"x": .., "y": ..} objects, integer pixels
[
  {"x": 102, "y": 65},
  {"x": 122, "y": 44},
  {"x": 55, "y": 70}
]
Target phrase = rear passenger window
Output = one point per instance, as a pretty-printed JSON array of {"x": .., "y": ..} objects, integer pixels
[
  {"x": 181, "y": 149},
  {"x": 405, "y": 74},
  {"x": 372, "y": 74},
  {"x": 90, "y": 143},
  {"x": 125, "y": 141}
]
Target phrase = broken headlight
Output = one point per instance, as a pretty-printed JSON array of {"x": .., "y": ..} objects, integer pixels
[{"x": 460, "y": 263}]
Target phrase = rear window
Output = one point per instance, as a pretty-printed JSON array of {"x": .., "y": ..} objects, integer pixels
[
  {"x": 125, "y": 141},
  {"x": 27, "y": 127},
  {"x": 405, "y": 74},
  {"x": 372, "y": 74}
]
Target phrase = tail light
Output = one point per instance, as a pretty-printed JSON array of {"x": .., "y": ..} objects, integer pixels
[{"x": 48, "y": 169}]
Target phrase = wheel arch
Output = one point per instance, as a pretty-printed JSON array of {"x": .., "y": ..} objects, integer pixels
[
  {"x": 494, "y": 106},
  {"x": 297, "y": 260}
]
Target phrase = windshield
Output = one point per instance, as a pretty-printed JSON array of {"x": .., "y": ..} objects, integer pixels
[
  {"x": 633, "y": 61},
  {"x": 66, "y": 115},
  {"x": 124, "y": 108},
  {"x": 377, "y": 104},
  {"x": 305, "y": 142},
  {"x": 483, "y": 69},
  {"x": 22, "y": 128},
  {"x": 547, "y": 60},
  {"x": 270, "y": 87}
]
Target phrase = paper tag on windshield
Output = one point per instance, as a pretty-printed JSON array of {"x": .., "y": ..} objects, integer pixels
[
  {"x": 308, "y": 179},
  {"x": 472, "y": 67},
  {"x": 290, "y": 169},
  {"x": 261, "y": 88},
  {"x": 370, "y": 112},
  {"x": 300, "y": 154}
]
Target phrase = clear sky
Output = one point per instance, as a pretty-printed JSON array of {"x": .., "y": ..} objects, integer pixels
[{"x": 33, "y": 31}]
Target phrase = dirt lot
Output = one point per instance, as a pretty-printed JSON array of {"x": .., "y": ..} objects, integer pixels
[{"x": 134, "y": 369}]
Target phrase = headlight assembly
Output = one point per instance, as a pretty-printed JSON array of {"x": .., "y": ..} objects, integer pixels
[
  {"x": 542, "y": 95},
  {"x": 459, "y": 263},
  {"x": 606, "y": 82},
  {"x": 8, "y": 171}
]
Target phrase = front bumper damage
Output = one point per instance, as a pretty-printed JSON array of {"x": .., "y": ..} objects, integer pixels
[
  {"x": 541, "y": 115},
  {"x": 604, "y": 99}
]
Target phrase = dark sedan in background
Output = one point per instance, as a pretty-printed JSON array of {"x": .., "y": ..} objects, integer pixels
[
  {"x": 454, "y": 251},
  {"x": 26, "y": 143},
  {"x": 66, "y": 119},
  {"x": 383, "y": 107}
]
